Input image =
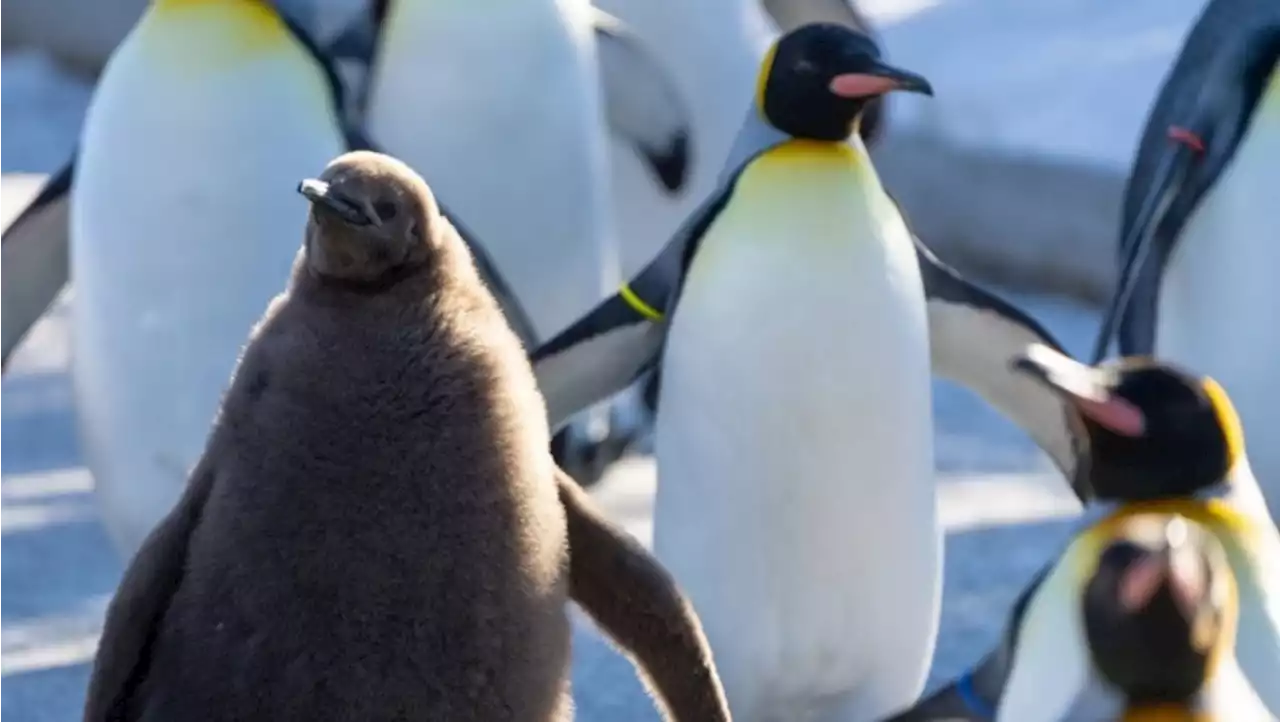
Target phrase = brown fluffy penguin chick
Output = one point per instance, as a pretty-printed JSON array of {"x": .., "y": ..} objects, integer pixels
[{"x": 375, "y": 530}]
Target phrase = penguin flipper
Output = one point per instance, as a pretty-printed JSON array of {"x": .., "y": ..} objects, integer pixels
[
  {"x": 637, "y": 603},
  {"x": 973, "y": 335},
  {"x": 596, "y": 357},
  {"x": 141, "y": 601},
  {"x": 643, "y": 105},
  {"x": 36, "y": 258},
  {"x": 605, "y": 351}
]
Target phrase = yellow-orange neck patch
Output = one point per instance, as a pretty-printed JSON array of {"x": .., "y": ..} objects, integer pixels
[
  {"x": 1166, "y": 713},
  {"x": 762, "y": 79},
  {"x": 1228, "y": 419},
  {"x": 240, "y": 27}
]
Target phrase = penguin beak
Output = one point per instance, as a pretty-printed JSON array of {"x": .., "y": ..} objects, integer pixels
[
  {"x": 878, "y": 79},
  {"x": 1087, "y": 389},
  {"x": 1177, "y": 570},
  {"x": 322, "y": 194}
]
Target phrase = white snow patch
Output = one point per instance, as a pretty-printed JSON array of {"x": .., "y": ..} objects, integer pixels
[{"x": 33, "y": 487}]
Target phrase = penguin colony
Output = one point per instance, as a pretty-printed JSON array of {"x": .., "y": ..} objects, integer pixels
[{"x": 361, "y": 512}]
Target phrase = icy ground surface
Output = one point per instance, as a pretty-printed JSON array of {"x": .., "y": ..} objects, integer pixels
[{"x": 1005, "y": 512}]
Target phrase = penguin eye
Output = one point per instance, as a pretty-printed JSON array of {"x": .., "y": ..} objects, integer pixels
[{"x": 386, "y": 210}]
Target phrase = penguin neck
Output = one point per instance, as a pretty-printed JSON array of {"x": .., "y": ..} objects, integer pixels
[
  {"x": 850, "y": 152},
  {"x": 263, "y": 7},
  {"x": 216, "y": 30},
  {"x": 1239, "y": 488},
  {"x": 1104, "y": 517}
]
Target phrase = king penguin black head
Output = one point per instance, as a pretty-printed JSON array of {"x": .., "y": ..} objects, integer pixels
[
  {"x": 1151, "y": 430},
  {"x": 817, "y": 79},
  {"x": 1157, "y": 609}
]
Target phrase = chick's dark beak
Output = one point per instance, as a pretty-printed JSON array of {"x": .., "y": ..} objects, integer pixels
[
  {"x": 322, "y": 194},
  {"x": 877, "y": 79},
  {"x": 1087, "y": 389}
]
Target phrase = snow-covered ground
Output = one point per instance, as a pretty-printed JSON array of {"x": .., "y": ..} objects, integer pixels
[{"x": 1051, "y": 77}]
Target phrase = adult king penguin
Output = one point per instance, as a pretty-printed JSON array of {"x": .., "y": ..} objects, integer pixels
[
  {"x": 714, "y": 49},
  {"x": 178, "y": 232},
  {"x": 1155, "y": 438},
  {"x": 788, "y": 321},
  {"x": 1196, "y": 257}
]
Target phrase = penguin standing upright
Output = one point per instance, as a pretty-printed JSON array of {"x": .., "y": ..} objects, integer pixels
[
  {"x": 1196, "y": 284},
  {"x": 177, "y": 233},
  {"x": 787, "y": 324},
  {"x": 1154, "y": 439},
  {"x": 375, "y": 529}
]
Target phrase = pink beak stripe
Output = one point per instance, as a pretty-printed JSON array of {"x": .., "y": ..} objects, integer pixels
[
  {"x": 1140, "y": 584},
  {"x": 1115, "y": 414},
  {"x": 857, "y": 85}
]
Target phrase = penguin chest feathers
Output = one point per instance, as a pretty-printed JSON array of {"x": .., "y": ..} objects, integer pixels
[
  {"x": 793, "y": 440},
  {"x": 800, "y": 344},
  {"x": 804, "y": 289},
  {"x": 1218, "y": 296}
]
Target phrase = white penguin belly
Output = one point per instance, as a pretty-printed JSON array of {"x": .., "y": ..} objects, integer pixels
[
  {"x": 498, "y": 106},
  {"x": 184, "y": 225},
  {"x": 1220, "y": 294},
  {"x": 796, "y": 500}
]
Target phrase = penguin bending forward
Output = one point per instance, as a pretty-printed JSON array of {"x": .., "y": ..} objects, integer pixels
[
  {"x": 788, "y": 314},
  {"x": 1196, "y": 281},
  {"x": 1156, "y": 439},
  {"x": 177, "y": 236},
  {"x": 376, "y": 529}
]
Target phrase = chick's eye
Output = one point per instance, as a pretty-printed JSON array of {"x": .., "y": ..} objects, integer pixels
[{"x": 386, "y": 210}]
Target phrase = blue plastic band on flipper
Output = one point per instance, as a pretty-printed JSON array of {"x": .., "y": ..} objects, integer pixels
[{"x": 976, "y": 705}]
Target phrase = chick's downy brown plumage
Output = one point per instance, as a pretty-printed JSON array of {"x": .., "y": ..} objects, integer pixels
[{"x": 376, "y": 529}]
